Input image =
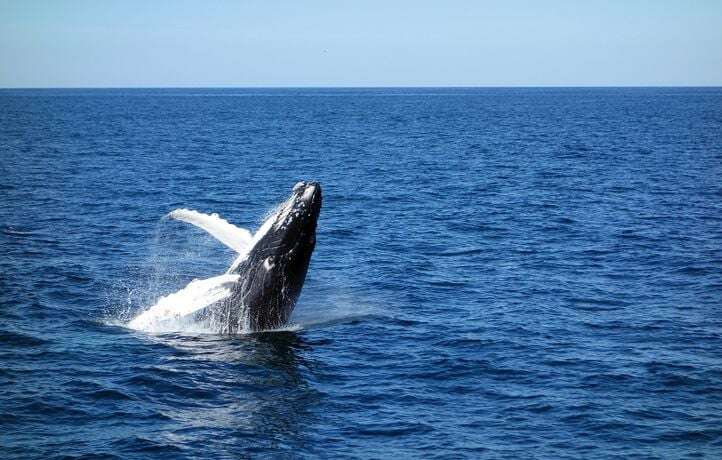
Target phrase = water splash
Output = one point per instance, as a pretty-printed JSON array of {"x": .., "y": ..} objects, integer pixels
[
  {"x": 177, "y": 308},
  {"x": 186, "y": 309},
  {"x": 176, "y": 312}
]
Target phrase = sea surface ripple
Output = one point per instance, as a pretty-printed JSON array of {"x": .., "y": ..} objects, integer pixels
[{"x": 500, "y": 273}]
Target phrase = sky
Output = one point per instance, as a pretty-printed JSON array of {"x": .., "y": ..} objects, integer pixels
[{"x": 271, "y": 43}]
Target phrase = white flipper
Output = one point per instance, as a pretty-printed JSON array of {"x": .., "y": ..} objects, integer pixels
[
  {"x": 238, "y": 239},
  {"x": 197, "y": 295}
]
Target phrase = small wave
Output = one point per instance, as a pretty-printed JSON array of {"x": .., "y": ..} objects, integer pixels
[
  {"x": 595, "y": 304},
  {"x": 141, "y": 444},
  {"x": 15, "y": 232},
  {"x": 20, "y": 340},
  {"x": 448, "y": 284},
  {"x": 109, "y": 394},
  {"x": 695, "y": 271},
  {"x": 456, "y": 253},
  {"x": 149, "y": 382},
  {"x": 703, "y": 435},
  {"x": 393, "y": 431},
  {"x": 340, "y": 232},
  {"x": 47, "y": 409}
]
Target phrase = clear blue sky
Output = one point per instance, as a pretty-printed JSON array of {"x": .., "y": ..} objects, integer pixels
[{"x": 359, "y": 43}]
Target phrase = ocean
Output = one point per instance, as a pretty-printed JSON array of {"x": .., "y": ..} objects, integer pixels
[{"x": 499, "y": 273}]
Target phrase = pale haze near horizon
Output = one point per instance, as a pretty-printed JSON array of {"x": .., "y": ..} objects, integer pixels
[{"x": 404, "y": 43}]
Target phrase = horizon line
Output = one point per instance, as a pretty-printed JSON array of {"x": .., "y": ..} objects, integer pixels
[{"x": 355, "y": 87}]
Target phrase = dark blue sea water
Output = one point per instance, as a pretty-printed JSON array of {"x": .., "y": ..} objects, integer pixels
[{"x": 500, "y": 273}]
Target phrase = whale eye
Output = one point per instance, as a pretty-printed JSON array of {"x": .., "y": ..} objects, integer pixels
[
  {"x": 298, "y": 187},
  {"x": 269, "y": 263}
]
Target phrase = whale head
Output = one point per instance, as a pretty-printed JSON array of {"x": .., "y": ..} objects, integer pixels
[
  {"x": 274, "y": 271},
  {"x": 294, "y": 225}
]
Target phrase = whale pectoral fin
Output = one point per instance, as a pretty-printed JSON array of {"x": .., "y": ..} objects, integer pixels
[
  {"x": 238, "y": 239},
  {"x": 196, "y": 295}
]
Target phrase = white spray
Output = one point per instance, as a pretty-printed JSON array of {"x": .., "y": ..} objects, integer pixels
[{"x": 175, "y": 312}]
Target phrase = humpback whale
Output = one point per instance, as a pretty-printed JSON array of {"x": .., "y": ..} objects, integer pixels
[{"x": 260, "y": 289}]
